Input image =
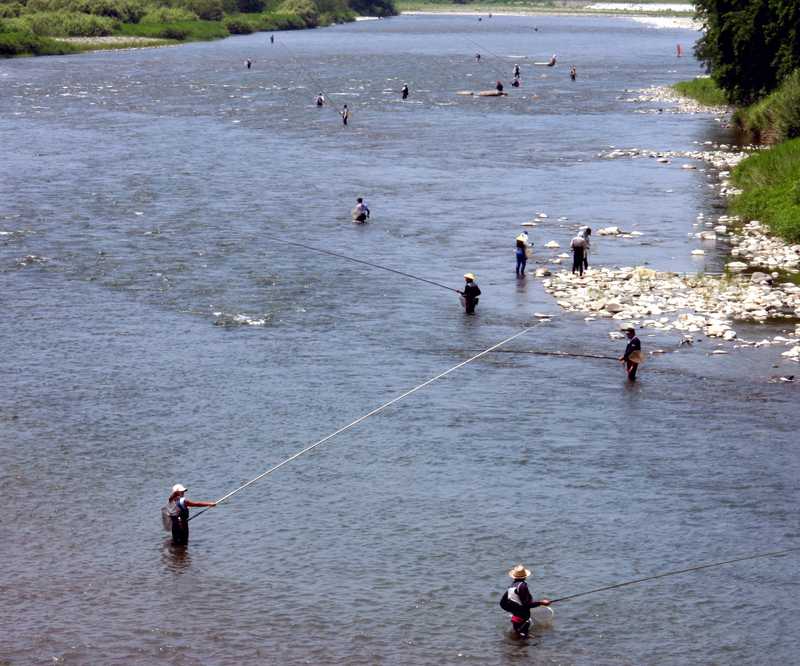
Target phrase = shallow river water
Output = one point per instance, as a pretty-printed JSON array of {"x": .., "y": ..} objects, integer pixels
[{"x": 147, "y": 183}]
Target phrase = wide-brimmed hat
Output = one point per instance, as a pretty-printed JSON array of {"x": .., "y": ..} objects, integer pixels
[
  {"x": 178, "y": 488},
  {"x": 519, "y": 572},
  {"x": 469, "y": 276}
]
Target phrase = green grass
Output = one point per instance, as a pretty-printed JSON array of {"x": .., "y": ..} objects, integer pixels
[
  {"x": 177, "y": 30},
  {"x": 774, "y": 118},
  {"x": 14, "y": 44},
  {"x": 770, "y": 184},
  {"x": 703, "y": 90}
]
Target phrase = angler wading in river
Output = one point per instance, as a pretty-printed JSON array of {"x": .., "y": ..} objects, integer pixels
[
  {"x": 518, "y": 601},
  {"x": 176, "y": 514},
  {"x": 470, "y": 293}
]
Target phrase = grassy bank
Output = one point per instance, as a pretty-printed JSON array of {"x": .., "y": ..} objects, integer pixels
[
  {"x": 703, "y": 90},
  {"x": 775, "y": 118},
  {"x": 14, "y": 44},
  {"x": 33, "y": 27},
  {"x": 770, "y": 184}
]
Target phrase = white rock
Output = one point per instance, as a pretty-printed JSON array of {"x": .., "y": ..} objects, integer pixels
[
  {"x": 736, "y": 266},
  {"x": 698, "y": 252},
  {"x": 609, "y": 231},
  {"x": 553, "y": 245}
]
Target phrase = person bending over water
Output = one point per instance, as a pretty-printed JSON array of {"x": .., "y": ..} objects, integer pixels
[{"x": 320, "y": 101}]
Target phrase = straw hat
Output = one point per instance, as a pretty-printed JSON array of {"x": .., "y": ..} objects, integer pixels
[
  {"x": 178, "y": 488},
  {"x": 469, "y": 276},
  {"x": 519, "y": 572}
]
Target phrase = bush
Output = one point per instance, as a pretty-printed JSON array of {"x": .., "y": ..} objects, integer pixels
[
  {"x": 10, "y": 10},
  {"x": 25, "y": 43},
  {"x": 250, "y": 6},
  {"x": 193, "y": 30},
  {"x": 173, "y": 32},
  {"x": 237, "y": 25},
  {"x": 373, "y": 7},
  {"x": 776, "y": 117},
  {"x": 65, "y": 24},
  {"x": 128, "y": 11},
  {"x": 168, "y": 15},
  {"x": 305, "y": 9},
  {"x": 208, "y": 10}
]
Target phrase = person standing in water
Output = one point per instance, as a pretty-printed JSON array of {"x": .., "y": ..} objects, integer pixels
[
  {"x": 632, "y": 356},
  {"x": 345, "y": 114},
  {"x": 272, "y": 39},
  {"x": 516, "y": 71},
  {"x": 470, "y": 293},
  {"x": 573, "y": 73},
  {"x": 522, "y": 253},
  {"x": 320, "y": 101},
  {"x": 248, "y": 63},
  {"x": 404, "y": 91},
  {"x": 478, "y": 57},
  {"x": 578, "y": 245},
  {"x": 178, "y": 509},
  {"x": 361, "y": 211},
  {"x": 518, "y": 601},
  {"x": 585, "y": 233},
  {"x": 498, "y": 86}
]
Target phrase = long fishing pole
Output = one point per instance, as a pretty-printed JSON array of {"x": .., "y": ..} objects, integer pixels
[
  {"x": 361, "y": 261},
  {"x": 309, "y": 75},
  {"x": 367, "y": 415},
  {"x": 495, "y": 68},
  {"x": 775, "y": 553}
]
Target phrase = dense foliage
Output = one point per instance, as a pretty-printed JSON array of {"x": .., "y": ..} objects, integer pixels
[
  {"x": 776, "y": 117},
  {"x": 749, "y": 46},
  {"x": 26, "y": 23}
]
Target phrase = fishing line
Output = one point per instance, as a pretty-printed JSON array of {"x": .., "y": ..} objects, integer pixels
[
  {"x": 775, "y": 553},
  {"x": 502, "y": 73},
  {"x": 367, "y": 415},
  {"x": 305, "y": 71},
  {"x": 361, "y": 261}
]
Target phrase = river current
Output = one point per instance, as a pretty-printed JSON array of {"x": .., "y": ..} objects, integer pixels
[{"x": 155, "y": 335}]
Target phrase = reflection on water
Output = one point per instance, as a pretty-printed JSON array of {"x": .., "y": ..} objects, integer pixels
[{"x": 175, "y": 559}]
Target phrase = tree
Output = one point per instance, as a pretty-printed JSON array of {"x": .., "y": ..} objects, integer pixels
[{"x": 749, "y": 46}]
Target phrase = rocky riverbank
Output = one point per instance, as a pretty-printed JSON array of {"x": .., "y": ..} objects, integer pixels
[{"x": 756, "y": 286}]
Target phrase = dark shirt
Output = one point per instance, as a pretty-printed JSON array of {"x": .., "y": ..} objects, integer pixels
[
  {"x": 633, "y": 345},
  {"x": 471, "y": 291}
]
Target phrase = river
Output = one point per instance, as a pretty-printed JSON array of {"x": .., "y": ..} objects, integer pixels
[{"x": 143, "y": 185}]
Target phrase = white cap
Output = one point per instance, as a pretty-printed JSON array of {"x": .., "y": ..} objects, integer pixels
[{"x": 178, "y": 488}]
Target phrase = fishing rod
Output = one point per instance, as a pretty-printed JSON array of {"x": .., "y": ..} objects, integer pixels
[
  {"x": 361, "y": 261},
  {"x": 775, "y": 553},
  {"x": 367, "y": 415},
  {"x": 499, "y": 57},
  {"x": 310, "y": 76}
]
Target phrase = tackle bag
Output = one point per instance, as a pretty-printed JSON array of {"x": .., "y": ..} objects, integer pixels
[
  {"x": 510, "y": 606},
  {"x": 166, "y": 519}
]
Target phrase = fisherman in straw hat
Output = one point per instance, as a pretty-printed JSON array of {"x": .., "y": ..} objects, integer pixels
[
  {"x": 633, "y": 353},
  {"x": 518, "y": 601},
  {"x": 470, "y": 293},
  {"x": 178, "y": 510}
]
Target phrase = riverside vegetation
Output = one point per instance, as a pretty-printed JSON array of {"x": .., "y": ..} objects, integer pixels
[
  {"x": 752, "y": 51},
  {"x": 38, "y": 27}
]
